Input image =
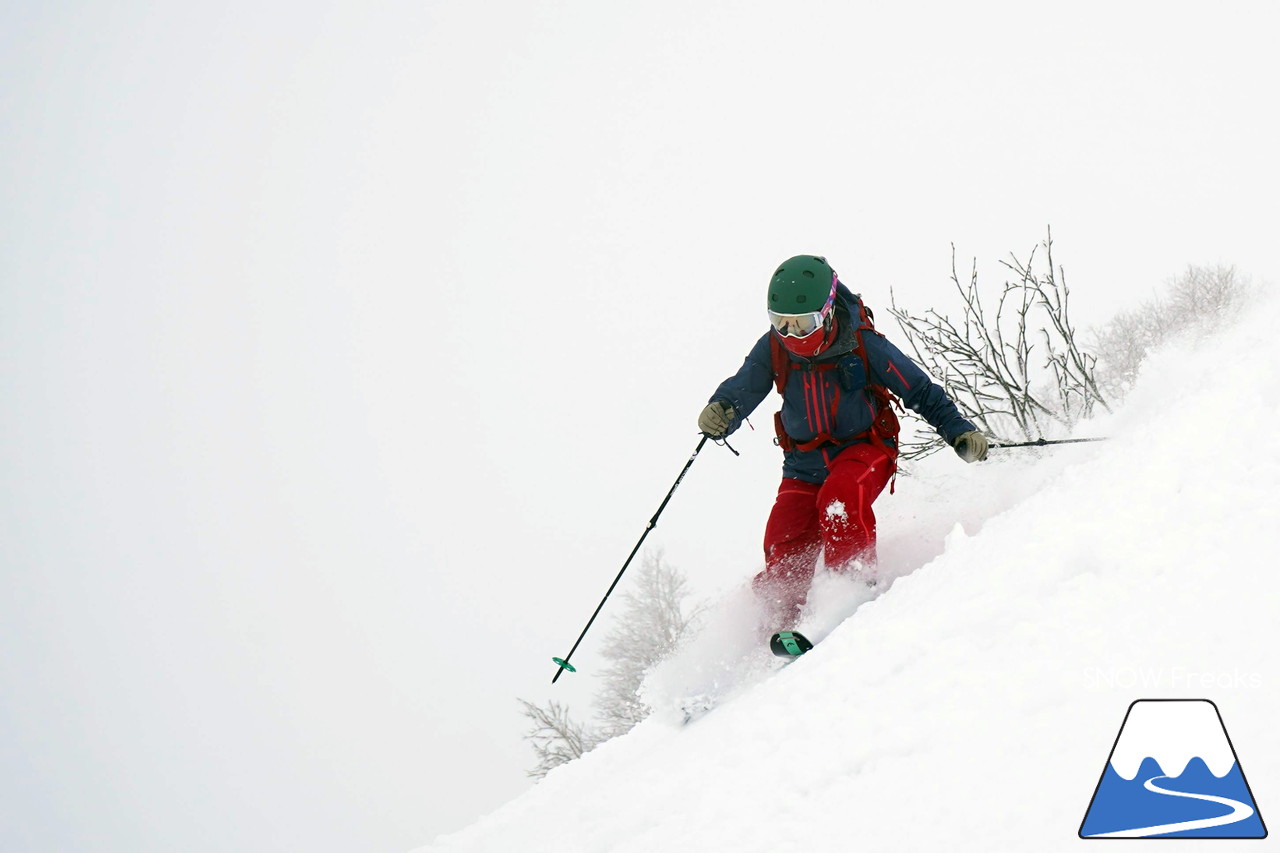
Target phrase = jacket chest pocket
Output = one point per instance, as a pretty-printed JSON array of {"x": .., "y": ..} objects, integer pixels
[{"x": 850, "y": 373}]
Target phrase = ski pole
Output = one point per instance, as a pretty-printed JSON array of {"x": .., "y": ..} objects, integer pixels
[
  {"x": 1040, "y": 442},
  {"x": 563, "y": 663}
]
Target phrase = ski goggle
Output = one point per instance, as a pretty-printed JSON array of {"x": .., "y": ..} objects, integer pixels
[{"x": 803, "y": 325}]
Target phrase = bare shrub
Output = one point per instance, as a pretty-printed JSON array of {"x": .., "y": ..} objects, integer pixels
[
  {"x": 1199, "y": 301},
  {"x": 1013, "y": 368},
  {"x": 555, "y": 737},
  {"x": 652, "y": 624}
]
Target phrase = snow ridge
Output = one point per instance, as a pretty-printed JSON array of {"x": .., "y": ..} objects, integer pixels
[{"x": 973, "y": 704}]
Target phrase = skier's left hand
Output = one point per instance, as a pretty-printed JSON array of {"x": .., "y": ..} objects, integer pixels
[{"x": 971, "y": 446}]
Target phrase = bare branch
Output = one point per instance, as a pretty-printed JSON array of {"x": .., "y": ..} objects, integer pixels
[
  {"x": 1015, "y": 370},
  {"x": 556, "y": 738}
]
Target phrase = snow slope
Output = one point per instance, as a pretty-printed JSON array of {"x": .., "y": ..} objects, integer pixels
[{"x": 974, "y": 704}]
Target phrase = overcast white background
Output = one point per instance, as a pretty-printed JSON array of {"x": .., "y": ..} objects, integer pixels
[{"x": 345, "y": 349}]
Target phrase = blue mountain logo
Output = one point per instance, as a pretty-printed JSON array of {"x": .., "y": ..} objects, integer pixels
[{"x": 1173, "y": 773}]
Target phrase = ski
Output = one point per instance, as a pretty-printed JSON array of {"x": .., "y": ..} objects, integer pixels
[
  {"x": 695, "y": 707},
  {"x": 789, "y": 644}
]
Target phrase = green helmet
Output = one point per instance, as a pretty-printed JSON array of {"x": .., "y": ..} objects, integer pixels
[{"x": 800, "y": 285}]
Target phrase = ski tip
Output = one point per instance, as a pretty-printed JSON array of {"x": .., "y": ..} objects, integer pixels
[
  {"x": 564, "y": 664},
  {"x": 789, "y": 644}
]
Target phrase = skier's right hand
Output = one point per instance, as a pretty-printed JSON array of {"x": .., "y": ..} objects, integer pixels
[{"x": 715, "y": 419}]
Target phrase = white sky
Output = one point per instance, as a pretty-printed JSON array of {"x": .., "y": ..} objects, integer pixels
[{"x": 346, "y": 349}]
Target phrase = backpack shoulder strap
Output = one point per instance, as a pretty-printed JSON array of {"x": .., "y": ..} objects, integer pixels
[
  {"x": 866, "y": 318},
  {"x": 781, "y": 363}
]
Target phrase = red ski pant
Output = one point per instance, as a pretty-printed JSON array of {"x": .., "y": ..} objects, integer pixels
[{"x": 833, "y": 519}]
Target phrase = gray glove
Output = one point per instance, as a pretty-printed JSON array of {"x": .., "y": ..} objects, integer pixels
[
  {"x": 715, "y": 419},
  {"x": 971, "y": 446}
]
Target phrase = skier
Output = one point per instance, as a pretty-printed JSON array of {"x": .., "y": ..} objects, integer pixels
[{"x": 837, "y": 428}]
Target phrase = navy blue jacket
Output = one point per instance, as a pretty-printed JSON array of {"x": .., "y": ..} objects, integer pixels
[{"x": 836, "y": 401}]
